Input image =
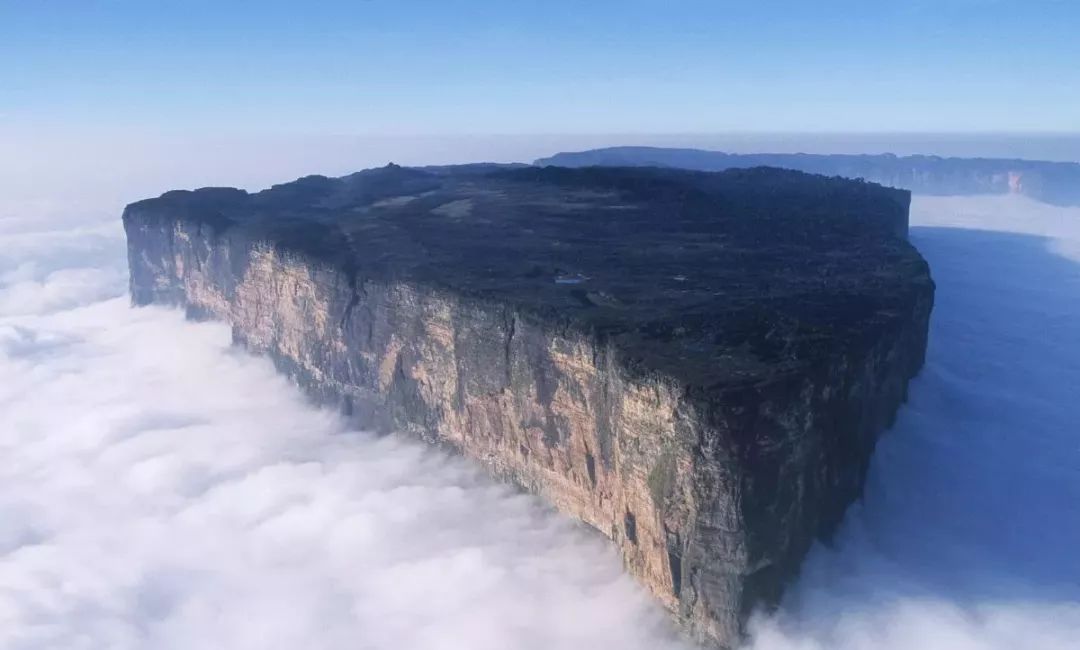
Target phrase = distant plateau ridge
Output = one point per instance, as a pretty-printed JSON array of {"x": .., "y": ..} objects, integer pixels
[{"x": 1057, "y": 183}]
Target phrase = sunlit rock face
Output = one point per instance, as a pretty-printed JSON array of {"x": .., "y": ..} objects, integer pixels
[{"x": 697, "y": 365}]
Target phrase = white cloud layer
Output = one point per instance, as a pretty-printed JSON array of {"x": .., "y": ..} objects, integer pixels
[{"x": 160, "y": 489}]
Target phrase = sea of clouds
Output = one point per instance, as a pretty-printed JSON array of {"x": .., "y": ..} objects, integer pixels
[
  {"x": 162, "y": 489},
  {"x": 968, "y": 536}
]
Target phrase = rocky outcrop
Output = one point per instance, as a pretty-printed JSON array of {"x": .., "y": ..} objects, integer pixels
[
  {"x": 1051, "y": 182},
  {"x": 697, "y": 365}
]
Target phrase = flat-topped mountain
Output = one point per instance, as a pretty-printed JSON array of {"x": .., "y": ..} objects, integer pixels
[
  {"x": 1051, "y": 182},
  {"x": 757, "y": 268},
  {"x": 696, "y": 364}
]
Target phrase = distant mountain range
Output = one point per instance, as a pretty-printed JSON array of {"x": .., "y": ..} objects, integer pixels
[{"x": 1051, "y": 182}]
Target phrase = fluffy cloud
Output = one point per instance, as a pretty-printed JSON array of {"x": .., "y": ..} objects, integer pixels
[{"x": 161, "y": 489}]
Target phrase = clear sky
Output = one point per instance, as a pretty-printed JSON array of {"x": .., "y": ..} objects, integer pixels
[{"x": 464, "y": 67}]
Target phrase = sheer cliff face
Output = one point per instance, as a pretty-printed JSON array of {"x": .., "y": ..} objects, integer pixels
[{"x": 713, "y": 491}]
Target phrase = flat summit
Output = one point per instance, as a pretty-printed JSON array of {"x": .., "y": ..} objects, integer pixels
[
  {"x": 713, "y": 277},
  {"x": 696, "y": 364}
]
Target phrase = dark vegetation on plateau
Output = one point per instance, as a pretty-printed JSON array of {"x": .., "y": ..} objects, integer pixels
[{"x": 715, "y": 277}]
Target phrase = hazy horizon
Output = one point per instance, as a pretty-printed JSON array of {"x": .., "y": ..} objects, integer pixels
[{"x": 105, "y": 170}]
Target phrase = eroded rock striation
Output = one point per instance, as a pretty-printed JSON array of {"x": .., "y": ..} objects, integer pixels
[{"x": 696, "y": 364}]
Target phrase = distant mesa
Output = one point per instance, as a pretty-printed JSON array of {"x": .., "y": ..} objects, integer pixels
[{"x": 1057, "y": 183}]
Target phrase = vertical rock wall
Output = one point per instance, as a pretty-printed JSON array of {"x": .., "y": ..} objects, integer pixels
[{"x": 712, "y": 496}]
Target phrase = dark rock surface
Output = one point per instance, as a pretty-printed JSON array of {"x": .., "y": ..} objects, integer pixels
[
  {"x": 696, "y": 364},
  {"x": 1051, "y": 182}
]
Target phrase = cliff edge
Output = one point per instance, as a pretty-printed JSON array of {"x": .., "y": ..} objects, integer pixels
[{"x": 696, "y": 364}]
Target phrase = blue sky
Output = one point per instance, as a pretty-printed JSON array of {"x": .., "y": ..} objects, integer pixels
[{"x": 635, "y": 66}]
